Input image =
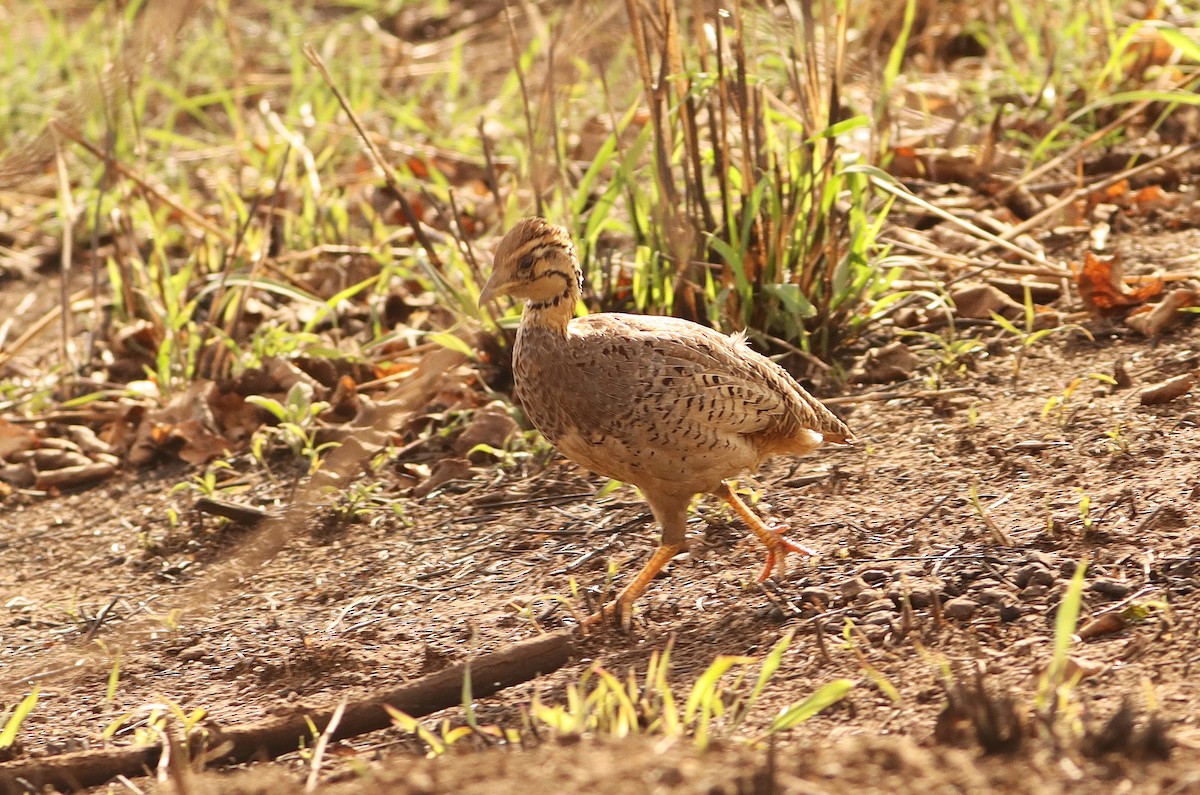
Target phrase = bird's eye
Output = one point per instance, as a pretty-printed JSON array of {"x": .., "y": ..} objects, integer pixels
[{"x": 526, "y": 264}]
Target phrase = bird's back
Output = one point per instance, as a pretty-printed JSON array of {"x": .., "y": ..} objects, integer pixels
[{"x": 661, "y": 402}]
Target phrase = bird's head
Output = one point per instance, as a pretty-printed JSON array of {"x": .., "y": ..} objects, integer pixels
[{"x": 535, "y": 261}]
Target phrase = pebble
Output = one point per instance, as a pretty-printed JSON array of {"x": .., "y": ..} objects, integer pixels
[
  {"x": 869, "y": 596},
  {"x": 960, "y": 608},
  {"x": 853, "y": 587},
  {"x": 878, "y": 618},
  {"x": 876, "y": 576},
  {"x": 1033, "y": 574},
  {"x": 1023, "y": 647},
  {"x": 1041, "y": 558},
  {"x": 922, "y": 595},
  {"x": 1109, "y": 588},
  {"x": 883, "y": 605},
  {"x": 875, "y": 633},
  {"x": 1011, "y": 612},
  {"x": 817, "y": 595},
  {"x": 1033, "y": 593},
  {"x": 993, "y": 596},
  {"x": 191, "y": 653}
]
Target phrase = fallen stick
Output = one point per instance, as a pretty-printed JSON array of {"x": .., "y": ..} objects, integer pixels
[{"x": 267, "y": 739}]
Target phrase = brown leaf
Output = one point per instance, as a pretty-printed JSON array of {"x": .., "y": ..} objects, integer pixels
[
  {"x": 491, "y": 426},
  {"x": 893, "y": 362},
  {"x": 196, "y": 444},
  {"x": 186, "y": 427},
  {"x": 444, "y": 471},
  {"x": 980, "y": 301},
  {"x": 1105, "y": 624},
  {"x": 1100, "y": 286},
  {"x": 1153, "y": 319},
  {"x": 14, "y": 439},
  {"x": 1168, "y": 390}
]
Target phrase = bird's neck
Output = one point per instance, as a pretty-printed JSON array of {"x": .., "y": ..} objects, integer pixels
[{"x": 555, "y": 311}]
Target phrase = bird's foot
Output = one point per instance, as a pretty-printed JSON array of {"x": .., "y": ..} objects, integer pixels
[
  {"x": 617, "y": 613},
  {"x": 620, "y": 611},
  {"x": 778, "y": 548}
]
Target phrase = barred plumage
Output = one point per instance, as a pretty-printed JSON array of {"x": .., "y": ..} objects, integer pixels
[{"x": 665, "y": 404}]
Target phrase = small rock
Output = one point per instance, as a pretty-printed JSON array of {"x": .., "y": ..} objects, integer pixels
[
  {"x": 196, "y": 652},
  {"x": 884, "y": 604},
  {"x": 876, "y": 576},
  {"x": 1046, "y": 561},
  {"x": 1023, "y": 646},
  {"x": 868, "y": 596},
  {"x": 853, "y": 587},
  {"x": 922, "y": 595},
  {"x": 817, "y": 596},
  {"x": 1109, "y": 588},
  {"x": 878, "y": 618},
  {"x": 1010, "y": 612},
  {"x": 1034, "y": 592},
  {"x": 875, "y": 633},
  {"x": 1033, "y": 574},
  {"x": 960, "y": 608},
  {"x": 993, "y": 596}
]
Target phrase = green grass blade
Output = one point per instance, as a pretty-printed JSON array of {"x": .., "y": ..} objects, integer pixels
[{"x": 796, "y": 714}]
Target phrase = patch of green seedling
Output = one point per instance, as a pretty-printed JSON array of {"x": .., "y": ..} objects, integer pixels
[
  {"x": 296, "y": 428},
  {"x": 1056, "y": 686},
  {"x": 1029, "y": 335},
  {"x": 602, "y": 704},
  {"x": 14, "y": 719}
]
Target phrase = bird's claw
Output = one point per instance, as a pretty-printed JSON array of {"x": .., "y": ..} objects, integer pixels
[
  {"x": 617, "y": 613},
  {"x": 777, "y": 552}
]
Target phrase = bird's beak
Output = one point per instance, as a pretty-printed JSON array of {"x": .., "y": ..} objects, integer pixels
[{"x": 492, "y": 289}]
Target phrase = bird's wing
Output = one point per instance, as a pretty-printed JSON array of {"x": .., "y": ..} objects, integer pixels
[{"x": 652, "y": 370}]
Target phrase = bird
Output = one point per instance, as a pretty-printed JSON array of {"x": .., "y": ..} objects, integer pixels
[{"x": 670, "y": 406}]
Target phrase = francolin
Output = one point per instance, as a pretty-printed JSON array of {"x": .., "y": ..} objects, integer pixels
[{"x": 668, "y": 405}]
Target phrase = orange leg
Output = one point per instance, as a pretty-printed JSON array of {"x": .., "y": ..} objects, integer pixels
[
  {"x": 777, "y": 546},
  {"x": 622, "y": 607}
]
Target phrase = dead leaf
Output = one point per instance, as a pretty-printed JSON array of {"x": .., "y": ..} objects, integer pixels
[
  {"x": 1105, "y": 624},
  {"x": 893, "y": 362},
  {"x": 1078, "y": 668},
  {"x": 1102, "y": 289},
  {"x": 14, "y": 439},
  {"x": 186, "y": 427},
  {"x": 1153, "y": 319},
  {"x": 979, "y": 302},
  {"x": 1166, "y": 391},
  {"x": 444, "y": 471},
  {"x": 491, "y": 426}
]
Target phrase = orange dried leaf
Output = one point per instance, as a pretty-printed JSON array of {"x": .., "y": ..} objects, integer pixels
[
  {"x": 1113, "y": 193},
  {"x": 1100, "y": 286}
]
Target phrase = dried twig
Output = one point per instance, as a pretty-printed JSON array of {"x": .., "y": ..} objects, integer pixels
[{"x": 490, "y": 673}]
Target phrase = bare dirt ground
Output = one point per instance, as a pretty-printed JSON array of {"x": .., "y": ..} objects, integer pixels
[
  {"x": 346, "y": 609},
  {"x": 947, "y": 539}
]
